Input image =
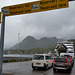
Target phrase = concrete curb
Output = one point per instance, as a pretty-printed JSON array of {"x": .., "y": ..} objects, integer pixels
[{"x": 7, "y": 74}]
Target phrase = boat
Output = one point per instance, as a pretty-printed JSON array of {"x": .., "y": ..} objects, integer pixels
[{"x": 65, "y": 47}]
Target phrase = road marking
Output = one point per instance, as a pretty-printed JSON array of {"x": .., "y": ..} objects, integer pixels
[{"x": 45, "y": 72}]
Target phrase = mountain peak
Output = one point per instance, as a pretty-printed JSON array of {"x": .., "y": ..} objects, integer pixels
[
  {"x": 30, "y": 42},
  {"x": 30, "y": 37}
]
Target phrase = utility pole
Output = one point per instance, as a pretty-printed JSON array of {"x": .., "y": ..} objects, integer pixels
[{"x": 2, "y": 40}]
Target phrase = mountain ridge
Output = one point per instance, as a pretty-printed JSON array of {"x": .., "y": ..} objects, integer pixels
[{"x": 30, "y": 42}]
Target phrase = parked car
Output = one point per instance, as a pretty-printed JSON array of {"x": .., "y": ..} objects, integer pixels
[
  {"x": 53, "y": 58},
  {"x": 41, "y": 61},
  {"x": 62, "y": 64},
  {"x": 71, "y": 59}
]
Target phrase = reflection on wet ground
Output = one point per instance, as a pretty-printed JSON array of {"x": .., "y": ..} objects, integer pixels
[{"x": 25, "y": 68}]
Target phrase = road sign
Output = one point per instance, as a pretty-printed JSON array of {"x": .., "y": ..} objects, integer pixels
[
  {"x": 18, "y": 9},
  {"x": 45, "y": 5},
  {"x": 0, "y": 17},
  {"x": 36, "y": 6}
]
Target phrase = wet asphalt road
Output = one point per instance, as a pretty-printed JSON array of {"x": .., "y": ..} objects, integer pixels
[{"x": 24, "y": 68}]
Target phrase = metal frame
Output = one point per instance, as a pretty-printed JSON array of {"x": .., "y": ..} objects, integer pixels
[{"x": 2, "y": 38}]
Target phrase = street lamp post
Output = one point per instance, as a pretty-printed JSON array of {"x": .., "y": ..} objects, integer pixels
[
  {"x": 19, "y": 45},
  {"x": 19, "y": 38}
]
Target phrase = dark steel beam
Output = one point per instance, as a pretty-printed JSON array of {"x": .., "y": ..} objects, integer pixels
[{"x": 71, "y": 0}]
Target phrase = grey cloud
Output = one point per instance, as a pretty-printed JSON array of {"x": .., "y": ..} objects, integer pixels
[{"x": 53, "y": 23}]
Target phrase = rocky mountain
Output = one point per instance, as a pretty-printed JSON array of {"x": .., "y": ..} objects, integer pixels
[{"x": 30, "y": 42}]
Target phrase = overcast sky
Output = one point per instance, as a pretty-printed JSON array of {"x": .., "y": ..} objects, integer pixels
[{"x": 53, "y": 23}]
